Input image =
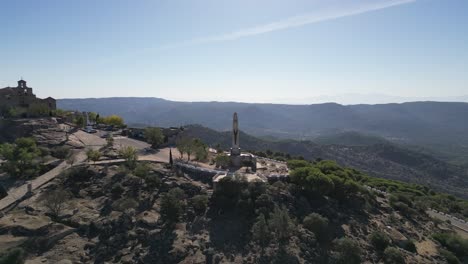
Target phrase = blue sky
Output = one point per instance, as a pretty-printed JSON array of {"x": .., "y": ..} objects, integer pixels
[{"x": 291, "y": 51}]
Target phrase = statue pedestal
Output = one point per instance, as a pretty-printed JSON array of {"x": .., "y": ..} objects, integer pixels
[{"x": 235, "y": 152}]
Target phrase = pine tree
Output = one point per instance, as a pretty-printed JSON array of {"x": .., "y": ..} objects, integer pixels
[
  {"x": 260, "y": 231},
  {"x": 171, "y": 161}
]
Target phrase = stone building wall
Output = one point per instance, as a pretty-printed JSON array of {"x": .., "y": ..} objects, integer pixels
[{"x": 23, "y": 97}]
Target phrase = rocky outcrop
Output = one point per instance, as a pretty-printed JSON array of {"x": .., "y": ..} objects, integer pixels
[{"x": 46, "y": 131}]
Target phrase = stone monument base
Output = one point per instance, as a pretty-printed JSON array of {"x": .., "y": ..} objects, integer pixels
[{"x": 235, "y": 151}]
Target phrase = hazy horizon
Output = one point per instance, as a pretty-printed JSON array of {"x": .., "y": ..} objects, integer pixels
[
  {"x": 349, "y": 99},
  {"x": 295, "y": 52}
]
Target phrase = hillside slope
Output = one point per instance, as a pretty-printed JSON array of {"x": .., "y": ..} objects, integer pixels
[{"x": 380, "y": 160}]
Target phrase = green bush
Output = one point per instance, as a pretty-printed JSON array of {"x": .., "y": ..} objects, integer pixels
[
  {"x": 449, "y": 256},
  {"x": 222, "y": 161},
  {"x": 347, "y": 251},
  {"x": 317, "y": 224},
  {"x": 61, "y": 152},
  {"x": 295, "y": 164},
  {"x": 13, "y": 256},
  {"x": 379, "y": 240},
  {"x": 200, "y": 203},
  {"x": 409, "y": 246},
  {"x": 124, "y": 204},
  {"x": 393, "y": 256},
  {"x": 454, "y": 243},
  {"x": 117, "y": 190},
  {"x": 21, "y": 157},
  {"x": 141, "y": 170},
  {"x": 153, "y": 181},
  {"x": 312, "y": 180},
  {"x": 172, "y": 205}
]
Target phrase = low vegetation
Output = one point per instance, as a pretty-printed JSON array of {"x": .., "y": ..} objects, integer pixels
[{"x": 22, "y": 159}]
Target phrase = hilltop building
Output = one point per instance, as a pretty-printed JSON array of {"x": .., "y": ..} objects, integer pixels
[{"x": 22, "y": 97}]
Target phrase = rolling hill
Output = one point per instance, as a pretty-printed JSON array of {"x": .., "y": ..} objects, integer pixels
[
  {"x": 438, "y": 128},
  {"x": 384, "y": 160}
]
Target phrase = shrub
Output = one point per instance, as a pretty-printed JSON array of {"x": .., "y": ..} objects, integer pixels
[
  {"x": 55, "y": 201},
  {"x": 93, "y": 155},
  {"x": 21, "y": 157},
  {"x": 379, "y": 240},
  {"x": 347, "y": 251},
  {"x": 200, "y": 203},
  {"x": 222, "y": 161},
  {"x": 13, "y": 256},
  {"x": 117, "y": 190},
  {"x": 172, "y": 205},
  {"x": 129, "y": 153},
  {"x": 153, "y": 181},
  {"x": 449, "y": 256},
  {"x": 409, "y": 246},
  {"x": 264, "y": 204},
  {"x": 295, "y": 164},
  {"x": 317, "y": 224},
  {"x": 141, "y": 170},
  {"x": 312, "y": 180},
  {"x": 124, "y": 204},
  {"x": 61, "y": 152},
  {"x": 154, "y": 136},
  {"x": 393, "y": 256},
  {"x": 454, "y": 243}
]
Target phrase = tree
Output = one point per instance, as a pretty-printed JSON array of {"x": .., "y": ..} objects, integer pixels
[
  {"x": 79, "y": 121},
  {"x": 113, "y": 120},
  {"x": 130, "y": 155},
  {"x": 92, "y": 116},
  {"x": 55, "y": 201},
  {"x": 313, "y": 180},
  {"x": 172, "y": 205},
  {"x": 22, "y": 158},
  {"x": 200, "y": 149},
  {"x": 182, "y": 145},
  {"x": 154, "y": 136},
  {"x": 317, "y": 224},
  {"x": 93, "y": 155},
  {"x": 222, "y": 161},
  {"x": 260, "y": 232},
  {"x": 294, "y": 164},
  {"x": 171, "y": 161},
  {"x": 281, "y": 224}
]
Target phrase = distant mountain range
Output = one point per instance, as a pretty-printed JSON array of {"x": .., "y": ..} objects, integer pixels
[{"x": 438, "y": 128}]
